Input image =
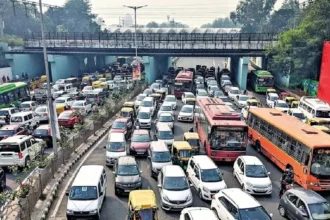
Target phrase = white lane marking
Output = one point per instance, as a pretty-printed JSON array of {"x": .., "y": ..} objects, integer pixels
[{"x": 74, "y": 175}]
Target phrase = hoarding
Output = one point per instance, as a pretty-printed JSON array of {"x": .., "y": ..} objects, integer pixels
[
  {"x": 136, "y": 70},
  {"x": 324, "y": 83}
]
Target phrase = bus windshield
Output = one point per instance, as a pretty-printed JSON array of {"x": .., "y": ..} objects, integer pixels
[
  {"x": 183, "y": 86},
  {"x": 228, "y": 139},
  {"x": 265, "y": 81},
  {"x": 320, "y": 163}
]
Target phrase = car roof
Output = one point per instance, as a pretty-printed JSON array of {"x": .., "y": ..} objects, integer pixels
[
  {"x": 141, "y": 131},
  {"x": 67, "y": 111},
  {"x": 15, "y": 139},
  {"x": 295, "y": 110},
  {"x": 145, "y": 109},
  {"x": 148, "y": 98},
  {"x": 204, "y": 162},
  {"x": 241, "y": 199},
  {"x": 251, "y": 160},
  {"x": 189, "y": 106},
  {"x": 166, "y": 113},
  {"x": 63, "y": 97},
  {"x": 190, "y": 93},
  {"x": 10, "y": 127},
  {"x": 201, "y": 90},
  {"x": 272, "y": 94},
  {"x": 173, "y": 171},
  {"x": 281, "y": 101},
  {"x": 121, "y": 120},
  {"x": 43, "y": 127},
  {"x": 27, "y": 102},
  {"x": 88, "y": 175},
  {"x": 21, "y": 113},
  {"x": 163, "y": 127},
  {"x": 126, "y": 160},
  {"x": 6, "y": 109},
  {"x": 241, "y": 95},
  {"x": 167, "y": 104},
  {"x": 198, "y": 213},
  {"x": 158, "y": 146},
  {"x": 116, "y": 137},
  {"x": 234, "y": 88},
  {"x": 309, "y": 196},
  {"x": 169, "y": 96}
]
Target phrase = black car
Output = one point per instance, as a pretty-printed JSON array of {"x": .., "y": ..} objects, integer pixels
[{"x": 2, "y": 180}]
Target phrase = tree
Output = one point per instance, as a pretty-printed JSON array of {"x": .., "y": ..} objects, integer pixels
[
  {"x": 298, "y": 52},
  {"x": 221, "y": 23},
  {"x": 152, "y": 24},
  {"x": 252, "y": 14}
]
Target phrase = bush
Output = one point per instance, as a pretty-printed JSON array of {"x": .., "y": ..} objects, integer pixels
[{"x": 12, "y": 40}]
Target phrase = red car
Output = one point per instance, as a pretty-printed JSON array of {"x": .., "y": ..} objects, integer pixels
[
  {"x": 140, "y": 142},
  {"x": 69, "y": 120},
  {"x": 120, "y": 126},
  {"x": 11, "y": 130}
]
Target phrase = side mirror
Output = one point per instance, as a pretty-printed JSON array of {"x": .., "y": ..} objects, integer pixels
[
  {"x": 268, "y": 173},
  {"x": 191, "y": 185},
  {"x": 141, "y": 171},
  {"x": 159, "y": 186},
  {"x": 67, "y": 193},
  {"x": 105, "y": 147},
  {"x": 101, "y": 194}
]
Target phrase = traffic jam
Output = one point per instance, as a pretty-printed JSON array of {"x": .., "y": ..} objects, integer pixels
[{"x": 220, "y": 122}]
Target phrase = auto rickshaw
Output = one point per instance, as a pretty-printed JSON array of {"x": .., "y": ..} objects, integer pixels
[
  {"x": 318, "y": 122},
  {"x": 104, "y": 85},
  {"x": 127, "y": 113},
  {"x": 102, "y": 79},
  {"x": 96, "y": 84},
  {"x": 158, "y": 98},
  {"x": 294, "y": 104},
  {"x": 86, "y": 79},
  {"x": 100, "y": 75},
  {"x": 181, "y": 152},
  {"x": 193, "y": 139},
  {"x": 322, "y": 128},
  {"x": 270, "y": 90},
  {"x": 108, "y": 76},
  {"x": 162, "y": 92},
  {"x": 142, "y": 205},
  {"x": 130, "y": 105},
  {"x": 190, "y": 101},
  {"x": 283, "y": 95},
  {"x": 289, "y": 100},
  {"x": 61, "y": 108},
  {"x": 253, "y": 102}
]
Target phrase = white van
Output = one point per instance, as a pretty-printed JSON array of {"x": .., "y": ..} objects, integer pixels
[
  {"x": 314, "y": 108},
  {"x": 4, "y": 112},
  {"x": 164, "y": 133},
  {"x": 20, "y": 150},
  {"x": 205, "y": 176},
  {"x": 25, "y": 118},
  {"x": 144, "y": 117},
  {"x": 87, "y": 193},
  {"x": 116, "y": 147},
  {"x": 158, "y": 157}
]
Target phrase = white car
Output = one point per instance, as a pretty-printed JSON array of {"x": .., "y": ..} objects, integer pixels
[
  {"x": 212, "y": 88},
  {"x": 155, "y": 86},
  {"x": 165, "y": 89},
  {"x": 170, "y": 99},
  {"x": 87, "y": 89},
  {"x": 201, "y": 93},
  {"x": 187, "y": 95},
  {"x": 60, "y": 81},
  {"x": 42, "y": 112},
  {"x": 28, "y": 106},
  {"x": 233, "y": 92},
  {"x": 148, "y": 92},
  {"x": 174, "y": 188},
  {"x": 4, "y": 112},
  {"x": 212, "y": 83},
  {"x": 165, "y": 107},
  {"x": 225, "y": 77},
  {"x": 148, "y": 102},
  {"x": 139, "y": 99},
  {"x": 270, "y": 99},
  {"x": 240, "y": 100},
  {"x": 197, "y": 213},
  {"x": 82, "y": 106},
  {"x": 294, "y": 112},
  {"x": 252, "y": 175},
  {"x": 225, "y": 83},
  {"x": 218, "y": 94},
  {"x": 281, "y": 105},
  {"x": 186, "y": 113},
  {"x": 111, "y": 84},
  {"x": 245, "y": 111},
  {"x": 165, "y": 118},
  {"x": 199, "y": 80},
  {"x": 64, "y": 100}
]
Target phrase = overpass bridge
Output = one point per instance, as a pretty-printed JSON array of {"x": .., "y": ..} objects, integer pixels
[{"x": 67, "y": 52}]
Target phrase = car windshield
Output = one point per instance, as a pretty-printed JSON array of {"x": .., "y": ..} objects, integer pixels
[
  {"x": 255, "y": 171},
  {"x": 243, "y": 98},
  {"x": 214, "y": 88},
  {"x": 299, "y": 115},
  {"x": 320, "y": 211},
  {"x": 116, "y": 147},
  {"x": 41, "y": 109},
  {"x": 59, "y": 101},
  {"x": 146, "y": 104},
  {"x": 200, "y": 86},
  {"x": 322, "y": 114},
  {"x": 83, "y": 193},
  {"x": 235, "y": 91},
  {"x": 165, "y": 108},
  {"x": 78, "y": 104},
  {"x": 273, "y": 98},
  {"x": 41, "y": 132},
  {"x": 202, "y": 93},
  {"x": 186, "y": 109},
  {"x": 25, "y": 105},
  {"x": 140, "y": 97},
  {"x": 175, "y": 183},
  {"x": 211, "y": 175},
  {"x": 185, "y": 153},
  {"x": 127, "y": 170},
  {"x": 141, "y": 138},
  {"x": 165, "y": 118},
  {"x": 257, "y": 213},
  {"x": 218, "y": 93},
  {"x": 125, "y": 114},
  {"x": 118, "y": 125},
  {"x": 9, "y": 148},
  {"x": 147, "y": 92},
  {"x": 7, "y": 132},
  {"x": 193, "y": 143},
  {"x": 226, "y": 82},
  {"x": 4, "y": 113},
  {"x": 188, "y": 95},
  {"x": 170, "y": 99},
  {"x": 165, "y": 135},
  {"x": 161, "y": 157},
  {"x": 224, "y": 99},
  {"x": 65, "y": 115},
  {"x": 144, "y": 115},
  {"x": 282, "y": 105}
]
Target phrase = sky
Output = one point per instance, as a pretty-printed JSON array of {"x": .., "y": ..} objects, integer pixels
[{"x": 191, "y": 12}]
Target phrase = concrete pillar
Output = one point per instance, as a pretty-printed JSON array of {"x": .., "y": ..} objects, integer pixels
[
  {"x": 161, "y": 64},
  {"x": 243, "y": 68},
  {"x": 150, "y": 69},
  {"x": 63, "y": 66},
  {"x": 233, "y": 67},
  {"x": 109, "y": 59},
  {"x": 32, "y": 64},
  {"x": 91, "y": 67},
  {"x": 100, "y": 62},
  {"x": 264, "y": 63},
  {"x": 169, "y": 62}
]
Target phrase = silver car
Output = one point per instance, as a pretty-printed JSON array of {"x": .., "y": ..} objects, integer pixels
[{"x": 42, "y": 112}]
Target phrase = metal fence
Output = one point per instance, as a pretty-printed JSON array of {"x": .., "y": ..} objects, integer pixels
[{"x": 39, "y": 178}]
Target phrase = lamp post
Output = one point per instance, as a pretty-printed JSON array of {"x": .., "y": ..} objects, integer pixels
[
  {"x": 49, "y": 94},
  {"x": 135, "y": 8}
]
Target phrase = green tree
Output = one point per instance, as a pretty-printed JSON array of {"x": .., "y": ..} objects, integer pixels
[
  {"x": 152, "y": 24},
  {"x": 299, "y": 50},
  {"x": 221, "y": 23},
  {"x": 252, "y": 14}
]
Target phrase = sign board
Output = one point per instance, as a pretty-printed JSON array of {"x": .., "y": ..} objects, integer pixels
[{"x": 136, "y": 70}]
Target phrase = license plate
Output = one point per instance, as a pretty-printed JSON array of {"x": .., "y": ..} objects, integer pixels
[
  {"x": 127, "y": 190},
  {"x": 228, "y": 159},
  {"x": 140, "y": 152}
]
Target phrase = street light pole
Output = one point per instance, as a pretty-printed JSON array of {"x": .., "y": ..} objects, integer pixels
[
  {"x": 135, "y": 8},
  {"x": 49, "y": 93}
]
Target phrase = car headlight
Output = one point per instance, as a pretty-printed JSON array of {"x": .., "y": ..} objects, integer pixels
[
  {"x": 118, "y": 184},
  {"x": 249, "y": 184},
  {"x": 108, "y": 157},
  {"x": 270, "y": 185},
  {"x": 205, "y": 189},
  {"x": 166, "y": 198},
  {"x": 93, "y": 211},
  {"x": 154, "y": 169},
  {"x": 69, "y": 211},
  {"x": 189, "y": 197},
  {"x": 138, "y": 183}
]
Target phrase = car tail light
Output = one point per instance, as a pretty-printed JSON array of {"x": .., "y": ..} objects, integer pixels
[
  {"x": 49, "y": 132},
  {"x": 213, "y": 197},
  {"x": 45, "y": 114},
  {"x": 20, "y": 155},
  {"x": 30, "y": 108}
]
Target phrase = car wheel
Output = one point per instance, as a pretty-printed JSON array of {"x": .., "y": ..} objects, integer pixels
[{"x": 281, "y": 210}]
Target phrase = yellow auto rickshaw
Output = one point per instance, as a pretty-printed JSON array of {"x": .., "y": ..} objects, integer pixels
[
  {"x": 96, "y": 84},
  {"x": 129, "y": 104},
  {"x": 108, "y": 76},
  {"x": 61, "y": 108},
  {"x": 104, "y": 85},
  {"x": 253, "y": 102},
  {"x": 87, "y": 80},
  {"x": 322, "y": 128},
  {"x": 318, "y": 122},
  {"x": 157, "y": 98},
  {"x": 270, "y": 90},
  {"x": 162, "y": 92},
  {"x": 294, "y": 104},
  {"x": 142, "y": 205},
  {"x": 181, "y": 152},
  {"x": 100, "y": 75},
  {"x": 289, "y": 100},
  {"x": 193, "y": 139},
  {"x": 126, "y": 112},
  {"x": 102, "y": 79},
  {"x": 190, "y": 101}
]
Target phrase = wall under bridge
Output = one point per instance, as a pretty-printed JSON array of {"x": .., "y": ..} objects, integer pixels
[
  {"x": 239, "y": 70},
  {"x": 156, "y": 66}
]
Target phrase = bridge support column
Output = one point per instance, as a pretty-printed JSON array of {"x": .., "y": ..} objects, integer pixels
[
  {"x": 62, "y": 66},
  {"x": 149, "y": 68},
  {"x": 264, "y": 63},
  {"x": 161, "y": 64},
  {"x": 239, "y": 69},
  {"x": 91, "y": 64},
  {"x": 109, "y": 59},
  {"x": 169, "y": 62},
  {"x": 100, "y": 62}
]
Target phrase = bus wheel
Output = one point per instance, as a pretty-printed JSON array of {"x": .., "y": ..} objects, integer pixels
[{"x": 258, "y": 147}]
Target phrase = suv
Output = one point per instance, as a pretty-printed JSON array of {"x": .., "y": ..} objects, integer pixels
[
  {"x": 25, "y": 118},
  {"x": 3, "y": 114},
  {"x": 20, "y": 150},
  {"x": 127, "y": 175},
  {"x": 158, "y": 157},
  {"x": 231, "y": 203},
  {"x": 11, "y": 130}
]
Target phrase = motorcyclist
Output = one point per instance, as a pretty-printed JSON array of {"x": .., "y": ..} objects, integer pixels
[
  {"x": 191, "y": 129},
  {"x": 287, "y": 179}
]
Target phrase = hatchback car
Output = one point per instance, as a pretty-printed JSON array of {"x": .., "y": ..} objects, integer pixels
[
  {"x": 82, "y": 106},
  {"x": 120, "y": 125},
  {"x": 11, "y": 130},
  {"x": 240, "y": 100},
  {"x": 233, "y": 92},
  {"x": 196, "y": 213},
  {"x": 165, "y": 107},
  {"x": 252, "y": 175},
  {"x": 64, "y": 100},
  {"x": 186, "y": 113},
  {"x": 187, "y": 95},
  {"x": 170, "y": 99},
  {"x": 148, "y": 92},
  {"x": 42, "y": 112},
  {"x": 139, "y": 99},
  {"x": 28, "y": 106},
  {"x": 281, "y": 105},
  {"x": 166, "y": 118},
  {"x": 43, "y": 132},
  {"x": 297, "y": 114},
  {"x": 140, "y": 142},
  {"x": 201, "y": 93},
  {"x": 69, "y": 119}
]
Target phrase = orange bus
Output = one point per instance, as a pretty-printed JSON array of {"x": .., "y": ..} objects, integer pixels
[
  {"x": 292, "y": 144},
  {"x": 220, "y": 129}
]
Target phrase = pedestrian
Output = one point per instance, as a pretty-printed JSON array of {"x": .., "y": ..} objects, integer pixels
[
  {"x": 8, "y": 79},
  {"x": 26, "y": 76},
  {"x": 4, "y": 79},
  {"x": 23, "y": 76},
  {"x": 17, "y": 77}
]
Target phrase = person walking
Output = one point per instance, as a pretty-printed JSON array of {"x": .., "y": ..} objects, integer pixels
[
  {"x": 26, "y": 76},
  {"x": 23, "y": 76},
  {"x": 17, "y": 77},
  {"x": 4, "y": 79}
]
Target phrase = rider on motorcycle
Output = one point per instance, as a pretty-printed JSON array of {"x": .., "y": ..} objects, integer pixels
[{"x": 286, "y": 180}]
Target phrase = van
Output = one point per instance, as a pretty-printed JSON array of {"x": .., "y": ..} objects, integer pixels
[
  {"x": 3, "y": 114},
  {"x": 164, "y": 133},
  {"x": 19, "y": 150},
  {"x": 115, "y": 148},
  {"x": 144, "y": 117},
  {"x": 205, "y": 176},
  {"x": 87, "y": 193},
  {"x": 158, "y": 157},
  {"x": 313, "y": 107},
  {"x": 25, "y": 118}
]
